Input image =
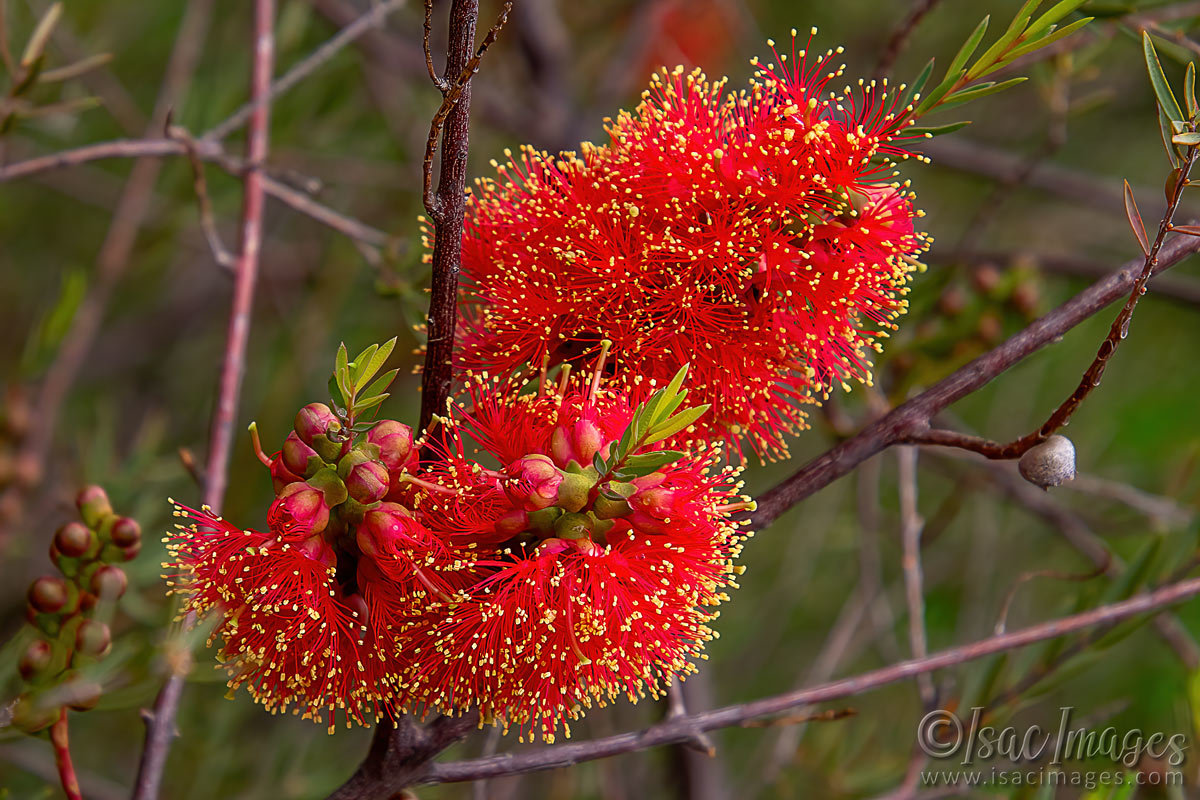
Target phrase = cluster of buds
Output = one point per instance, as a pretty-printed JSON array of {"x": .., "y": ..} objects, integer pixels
[
  {"x": 326, "y": 483},
  {"x": 62, "y": 608}
]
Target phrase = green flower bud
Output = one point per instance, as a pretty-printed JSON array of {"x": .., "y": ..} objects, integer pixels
[
  {"x": 93, "y": 505},
  {"x": 573, "y": 526}
]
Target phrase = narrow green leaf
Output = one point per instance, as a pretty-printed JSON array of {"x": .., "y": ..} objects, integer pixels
[
  {"x": 358, "y": 367},
  {"x": 990, "y": 56},
  {"x": 1164, "y": 128},
  {"x": 649, "y": 408},
  {"x": 918, "y": 85},
  {"x": 598, "y": 463},
  {"x": 76, "y": 69},
  {"x": 1162, "y": 89},
  {"x": 675, "y": 424},
  {"x": 1189, "y": 91},
  {"x": 1186, "y": 139},
  {"x": 666, "y": 409},
  {"x": 645, "y": 463},
  {"x": 1052, "y": 16},
  {"x": 969, "y": 46},
  {"x": 1042, "y": 41},
  {"x": 41, "y": 35},
  {"x": 370, "y": 402},
  {"x": 1135, "y": 220},
  {"x": 342, "y": 359},
  {"x": 976, "y": 92},
  {"x": 334, "y": 390},
  {"x": 1023, "y": 16},
  {"x": 938, "y": 130},
  {"x": 374, "y": 362},
  {"x": 673, "y": 387},
  {"x": 934, "y": 97},
  {"x": 380, "y": 384}
]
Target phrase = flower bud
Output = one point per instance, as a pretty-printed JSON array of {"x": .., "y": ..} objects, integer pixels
[
  {"x": 93, "y": 638},
  {"x": 36, "y": 659},
  {"x": 31, "y": 716},
  {"x": 366, "y": 479},
  {"x": 75, "y": 539},
  {"x": 542, "y": 522},
  {"x": 579, "y": 443},
  {"x": 314, "y": 420},
  {"x": 82, "y": 695},
  {"x": 281, "y": 476},
  {"x": 575, "y": 489},
  {"x": 299, "y": 512},
  {"x": 109, "y": 582},
  {"x": 573, "y": 526},
  {"x": 126, "y": 533},
  {"x": 513, "y": 523},
  {"x": 48, "y": 595},
  {"x": 536, "y": 482},
  {"x": 1050, "y": 463},
  {"x": 386, "y": 530},
  {"x": 93, "y": 505},
  {"x": 395, "y": 442},
  {"x": 299, "y": 458}
]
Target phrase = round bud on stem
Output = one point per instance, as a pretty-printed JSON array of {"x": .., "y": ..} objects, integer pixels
[
  {"x": 82, "y": 695},
  {"x": 299, "y": 512},
  {"x": 48, "y": 595},
  {"x": 93, "y": 505},
  {"x": 1050, "y": 463},
  {"x": 366, "y": 479},
  {"x": 109, "y": 582},
  {"x": 74, "y": 539},
  {"x": 36, "y": 659},
  {"x": 126, "y": 533},
  {"x": 93, "y": 638},
  {"x": 315, "y": 426},
  {"x": 299, "y": 458},
  {"x": 395, "y": 442}
]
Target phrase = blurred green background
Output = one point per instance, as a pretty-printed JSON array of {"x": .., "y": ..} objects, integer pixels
[{"x": 1005, "y": 251}]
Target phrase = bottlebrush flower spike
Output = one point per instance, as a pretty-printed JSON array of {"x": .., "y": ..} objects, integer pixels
[
  {"x": 760, "y": 236},
  {"x": 585, "y": 599},
  {"x": 291, "y": 633}
]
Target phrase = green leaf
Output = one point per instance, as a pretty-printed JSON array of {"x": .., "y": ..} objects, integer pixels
[
  {"x": 976, "y": 92},
  {"x": 673, "y": 387},
  {"x": 1164, "y": 127},
  {"x": 374, "y": 362},
  {"x": 1189, "y": 91},
  {"x": 937, "y": 130},
  {"x": 370, "y": 402},
  {"x": 998, "y": 48},
  {"x": 675, "y": 424},
  {"x": 969, "y": 46},
  {"x": 1042, "y": 41},
  {"x": 1187, "y": 139},
  {"x": 598, "y": 463},
  {"x": 359, "y": 366},
  {"x": 918, "y": 85},
  {"x": 41, "y": 35},
  {"x": 1162, "y": 89},
  {"x": 380, "y": 384},
  {"x": 937, "y": 94},
  {"x": 342, "y": 360},
  {"x": 649, "y": 408},
  {"x": 645, "y": 463},
  {"x": 1052, "y": 16},
  {"x": 334, "y": 390}
]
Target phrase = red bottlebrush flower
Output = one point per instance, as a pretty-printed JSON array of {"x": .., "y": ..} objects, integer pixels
[
  {"x": 752, "y": 235},
  {"x": 571, "y": 605},
  {"x": 290, "y": 633}
]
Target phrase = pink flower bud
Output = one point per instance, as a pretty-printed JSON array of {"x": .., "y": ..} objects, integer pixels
[
  {"x": 299, "y": 512},
  {"x": 126, "y": 532},
  {"x": 388, "y": 530},
  {"x": 109, "y": 582},
  {"x": 297, "y": 457},
  {"x": 36, "y": 659},
  {"x": 536, "y": 482},
  {"x": 48, "y": 595},
  {"x": 513, "y": 523},
  {"x": 395, "y": 442},
  {"x": 314, "y": 420},
  {"x": 367, "y": 482},
  {"x": 578, "y": 443},
  {"x": 281, "y": 476},
  {"x": 93, "y": 638},
  {"x": 74, "y": 539},
  {"x": 93, "y": 505},
  {"x": 319, "y": 550}
]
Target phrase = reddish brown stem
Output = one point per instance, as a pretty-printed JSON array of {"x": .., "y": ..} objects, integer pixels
[
  {"x": 160, "y": 725},
  {"x": 60, "y": 738}
]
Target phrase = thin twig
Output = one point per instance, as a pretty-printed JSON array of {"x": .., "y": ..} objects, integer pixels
[
  {"x": 160, "y": 725},
  {"x": 900, "y": 36},
  {"x": 677, "y": 730},
  {"x": 1095, "y": 371},
  {"x": 906, "y": 421},
  {"x": 911, "y": 525},
  {"x": 208, "y": 223}
]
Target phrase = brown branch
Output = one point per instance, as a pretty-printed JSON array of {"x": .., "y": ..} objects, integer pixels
[
  {"x": 679, "y": 729},
  {"x": 399, "y": 753},
  {"x": 160, "y": 725},
  {"x": 1095, "y": 371},
  {"x": 900, "y": 36},
  {"x": 912, "y": 417}
]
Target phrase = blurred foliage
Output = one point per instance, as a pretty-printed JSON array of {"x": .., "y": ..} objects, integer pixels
[{"x": 357, "y": 126}]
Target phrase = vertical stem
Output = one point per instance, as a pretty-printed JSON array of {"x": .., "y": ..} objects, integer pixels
[
  {"x": 160, "y": 725},
  {"x": 62, "y": 757},
  {"x": 446, "y": 213},
  {"x": 911, "y": 526}
]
